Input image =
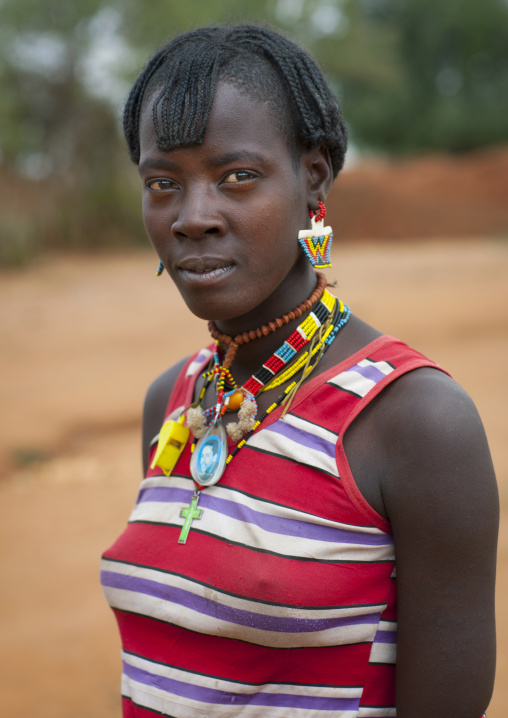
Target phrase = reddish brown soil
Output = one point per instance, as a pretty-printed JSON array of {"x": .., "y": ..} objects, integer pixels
[
  {"x": 432, "y": 196},
  {"x": 81, "y": 338}
]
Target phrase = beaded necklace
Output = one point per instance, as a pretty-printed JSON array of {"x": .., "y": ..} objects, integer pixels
[
  {"x": 341, "y": 317},
  {"x": 233, "y": 343},
  {"x": 244, "y": 397}
]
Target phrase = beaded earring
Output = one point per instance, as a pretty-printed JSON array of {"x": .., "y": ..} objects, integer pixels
[
  {"x": 317, "y": 241},
  {"x": 160, "y": 269}
]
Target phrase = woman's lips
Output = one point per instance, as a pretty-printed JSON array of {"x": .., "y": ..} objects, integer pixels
[{"x": 205, "y": 271}]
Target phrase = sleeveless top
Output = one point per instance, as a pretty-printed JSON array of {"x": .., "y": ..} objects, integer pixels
[{"x": 283, "y": 600}]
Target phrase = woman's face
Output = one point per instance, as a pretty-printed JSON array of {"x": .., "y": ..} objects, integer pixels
[{"x": 224, "y": 216}]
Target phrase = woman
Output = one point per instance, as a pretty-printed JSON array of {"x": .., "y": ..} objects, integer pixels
[{"x": 257, "y": 575}]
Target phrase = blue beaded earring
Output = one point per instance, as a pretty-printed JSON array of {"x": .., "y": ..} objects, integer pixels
[
  {"x": 160, "y": 269},
  {"x": 317, "y": 241}
]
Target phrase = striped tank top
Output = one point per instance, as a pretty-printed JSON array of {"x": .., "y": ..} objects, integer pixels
[{"x": 283, "y": 600}]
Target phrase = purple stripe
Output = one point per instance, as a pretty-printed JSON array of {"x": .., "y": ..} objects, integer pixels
[
  {"x": 218, "y": 697},
  {"x": 222, "y": 612},
  {"x": 273, "y": 524},
  {"x": 369, "y": 372},
  {"x": 165, "y": 494},
  {"x": 303, "y": 437},
  {"x": 386, "y": 637}
]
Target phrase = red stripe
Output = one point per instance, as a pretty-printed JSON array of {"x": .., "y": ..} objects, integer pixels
[
  {"x": 290, "y": 484},
  {"x": 129, "y": 710},
  {"x": 251, "y": 574},
  {"x": 379, "y": 686},
  {"x": 198, "y": 652},
  {"x": 328, "y": 407}
]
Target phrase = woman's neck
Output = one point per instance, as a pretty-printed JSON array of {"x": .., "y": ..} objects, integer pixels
[{"x": 295, "y": 289}]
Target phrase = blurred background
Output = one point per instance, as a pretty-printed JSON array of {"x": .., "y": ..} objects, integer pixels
[{"x": 420, "y": 218}]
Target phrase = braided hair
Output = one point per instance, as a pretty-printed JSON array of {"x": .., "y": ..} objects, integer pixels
[{"x": 181, "y": 79}]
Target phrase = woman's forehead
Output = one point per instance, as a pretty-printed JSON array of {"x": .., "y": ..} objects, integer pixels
[{"x": 237, "y": 121}]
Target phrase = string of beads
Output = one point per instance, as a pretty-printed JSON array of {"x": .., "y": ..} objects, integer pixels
[
  {"x": 243, "y": 399},
  {"x": 233, "y": 343},
  {"x": 289, "y": 392},
  {"x": 340, "y": 318}
]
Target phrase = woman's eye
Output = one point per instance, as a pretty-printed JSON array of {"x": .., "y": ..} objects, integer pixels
[
  {"x": 160, "y": 185},
  {"x": 238, "y": 176}
]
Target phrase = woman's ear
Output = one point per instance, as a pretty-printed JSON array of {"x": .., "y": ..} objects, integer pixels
[{"x": 318, "y": 167}]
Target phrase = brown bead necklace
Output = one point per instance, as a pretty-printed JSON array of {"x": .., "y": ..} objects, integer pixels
[{"x": 233, "y": 343}]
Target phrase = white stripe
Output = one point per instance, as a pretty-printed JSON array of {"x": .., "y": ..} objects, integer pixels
[
  {"x": 277, "y": 510},
  {"x": 269, "y": 440},
  {"x": 159, "y": 701},
  {"x": 382, "y": 366},
  {"x": 310, "y": 428},
  {"x": 198, "y": 362},
  {"x": 368, "y": 712},
  {"x": 383, "y": 653},
  {"x": 385, "y": 625},
  {"x": 184, "y": 617},
  {"x": 155, "y": 698},
  {"x": 245, "y": 531},
  {"x": 252, "y": 536},
  {"x": 351, "y": 381}
]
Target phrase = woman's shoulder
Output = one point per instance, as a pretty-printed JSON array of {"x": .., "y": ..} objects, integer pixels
[{"x": 421, "y": 443}]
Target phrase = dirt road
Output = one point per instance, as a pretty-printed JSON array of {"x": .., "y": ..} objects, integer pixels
[{"x": 81, "y": 338}]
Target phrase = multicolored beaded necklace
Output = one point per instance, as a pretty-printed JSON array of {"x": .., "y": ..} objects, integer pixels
[
  {"x": 280, "y": 359},
  {"x": 341, "y": 316},
  {"x": 209, "y": 450}
]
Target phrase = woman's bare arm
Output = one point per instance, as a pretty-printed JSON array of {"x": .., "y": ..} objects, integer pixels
[{"x": 437, "y": 487}]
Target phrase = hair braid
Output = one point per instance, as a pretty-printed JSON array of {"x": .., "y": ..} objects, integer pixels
[{"x": 181, "y": 80}]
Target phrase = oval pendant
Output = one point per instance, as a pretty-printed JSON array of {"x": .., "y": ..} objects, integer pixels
[{"x": 208, "y": 459}]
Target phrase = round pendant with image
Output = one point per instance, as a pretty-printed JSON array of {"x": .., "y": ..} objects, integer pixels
[{"x": 209, "y": 457}]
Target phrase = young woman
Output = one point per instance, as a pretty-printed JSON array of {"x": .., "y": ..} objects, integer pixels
[{"x": 334, "y": 554}]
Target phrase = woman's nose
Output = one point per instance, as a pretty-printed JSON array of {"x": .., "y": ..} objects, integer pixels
[{"x": 198, "y": 217}]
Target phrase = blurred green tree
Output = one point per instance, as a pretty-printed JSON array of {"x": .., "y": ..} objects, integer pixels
[
  {"x": 446, "y": 84},
  {"x": 411, "y": 74}
]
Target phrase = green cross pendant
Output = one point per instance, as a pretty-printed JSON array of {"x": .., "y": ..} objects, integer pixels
[{"x": 189, "y": 513}]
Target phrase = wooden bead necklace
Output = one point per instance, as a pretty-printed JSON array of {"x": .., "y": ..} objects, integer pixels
[
  {"x": 233, "y": 343},
  {"x": 272, "y": 367}
]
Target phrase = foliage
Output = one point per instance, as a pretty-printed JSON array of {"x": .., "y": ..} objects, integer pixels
[
  {"x": 448, "y": 86},
  {"x": 412, "y": 74}
]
